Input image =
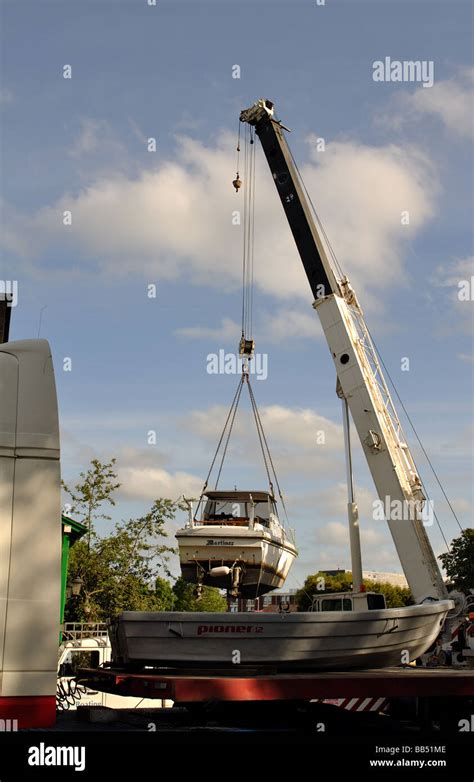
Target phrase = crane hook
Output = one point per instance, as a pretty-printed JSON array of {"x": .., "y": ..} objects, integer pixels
[{"x": 237, "y": 182}]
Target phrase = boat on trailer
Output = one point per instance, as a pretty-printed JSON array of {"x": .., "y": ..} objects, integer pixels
[
  {"x": 238, "y": 544},
  {"x": 354, "y": 637}
]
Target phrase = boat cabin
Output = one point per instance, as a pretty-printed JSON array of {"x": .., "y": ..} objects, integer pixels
[
  {"x": 238, "y": 508},
  {"x": 349, "y": 601}
]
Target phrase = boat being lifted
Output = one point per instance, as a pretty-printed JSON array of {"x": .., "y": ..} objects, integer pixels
[{"x": 238, "y": 544}]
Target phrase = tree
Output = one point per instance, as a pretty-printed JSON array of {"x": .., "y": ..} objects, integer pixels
[
  {"x": 120, "y": 571},
  {"x": 87, "y": 496},
  {"x": 320, "y": 584},
  {"x": 459, "y": 562},
  {"x": 395, "y": 596},
  {"x": 123, "y": 570},
  {"x": 164, "y": 594},
  {"x": 185, "y": 599}
]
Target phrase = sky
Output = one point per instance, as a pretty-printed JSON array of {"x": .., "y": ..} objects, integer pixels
[{"x": 128, "y": 363}]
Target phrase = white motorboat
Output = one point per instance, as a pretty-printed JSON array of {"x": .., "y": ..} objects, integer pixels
[
  {"x": 238, "y": 544},
  {"x": 317, "y": 640}
]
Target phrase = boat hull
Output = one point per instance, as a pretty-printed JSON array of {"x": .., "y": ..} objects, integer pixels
[
  {"x": 330, "y": 640},
  {"x": 265, "y": 559}
]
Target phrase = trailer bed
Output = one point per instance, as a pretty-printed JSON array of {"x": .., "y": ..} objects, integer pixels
[{"x": 199, "y": 686}]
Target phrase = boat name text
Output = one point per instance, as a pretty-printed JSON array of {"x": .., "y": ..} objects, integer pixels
[{"x": 202, "y": 629}]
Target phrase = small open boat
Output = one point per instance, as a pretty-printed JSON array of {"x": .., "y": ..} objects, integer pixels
[
  {"x": 317, "y": 640},
  {"x": 238, "y": 544}
]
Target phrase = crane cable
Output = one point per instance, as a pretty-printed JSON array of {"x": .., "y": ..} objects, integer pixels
[
  {"x": 262, "y": 437},
  {"x": 234, "y": 403},
  {"x": 237, "y": 400},
  {"x": 247, "y": 325},
  {"x": 420, "y": 444},
  {"x": 225, "y": 438}
]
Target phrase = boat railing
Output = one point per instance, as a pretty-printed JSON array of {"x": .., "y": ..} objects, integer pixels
[{"x": 74, "y": 631}]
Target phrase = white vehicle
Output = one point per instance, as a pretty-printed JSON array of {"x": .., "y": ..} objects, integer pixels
[{"x": 87, "y": 645}]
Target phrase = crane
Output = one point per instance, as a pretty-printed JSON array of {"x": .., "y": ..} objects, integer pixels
[{"x": 360, "y": 380}]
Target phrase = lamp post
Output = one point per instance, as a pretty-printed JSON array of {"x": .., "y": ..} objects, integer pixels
[{"x": 73, "y": 589}]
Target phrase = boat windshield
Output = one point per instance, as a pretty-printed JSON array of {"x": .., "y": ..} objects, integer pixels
[
  {"x": 226, "y": 510},
  {"x": 336, "y": 604}
]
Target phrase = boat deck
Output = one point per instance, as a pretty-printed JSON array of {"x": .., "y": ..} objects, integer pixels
[{"x": 200, "y": 686}]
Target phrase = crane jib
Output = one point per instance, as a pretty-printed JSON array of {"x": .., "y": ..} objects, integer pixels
[
  {"x": 297, "y": 210},
  {"x": 360, "y": 375}
]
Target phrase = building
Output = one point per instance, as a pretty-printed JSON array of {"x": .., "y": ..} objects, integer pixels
[
  {"x": 395, "y": 579},
  {"x": 270, "y": 603}
]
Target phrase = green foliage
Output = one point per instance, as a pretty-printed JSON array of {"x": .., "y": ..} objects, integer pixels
[
  {"x": 123, "y": 570},
  {"x": 164, "y": 595},
  {"x": 120, "y": 571},
  {"x": 96, "y": 487},
  {"x": 313, "y": 587},
  {"x": 459, "y": 562},
  {"x": 395, "y": 596},
  {"x": 320, "y": 584},
  {"x": 185, "y": 599}
]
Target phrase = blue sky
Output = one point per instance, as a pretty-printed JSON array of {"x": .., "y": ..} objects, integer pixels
[{"x": 163, "y": 218}]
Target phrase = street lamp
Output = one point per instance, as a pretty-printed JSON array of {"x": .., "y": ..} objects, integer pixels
[
  {"x": 74, "y": 589},
  {"x": 77, "y": 586}
]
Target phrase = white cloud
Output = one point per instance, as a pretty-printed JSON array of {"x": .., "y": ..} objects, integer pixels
[
  {"x": 468, "y": 358},
  {"x": 332, "y": 503},
  {"x": 98, "y": 155},
  {"x": 292, "y": 434},
  {"x": 289, "y": 426},
  {"x": 176, "y": 219},
  {"x": 332, "y": 537},
  {"x": 228, "y": 331},
  {"x": 300, "y": 427},
  {"x": 455, "y": 278},
  {"x": 451, "y": 101},
  {"x": 448, "y": 275},
  {"x": 275, "y": 326},
  {"x": 362, "y": 192},
  {"x": 290, "y": 323},
  {"x": 89, "y": 136},
  {"x": 143, "y": 476},
  {"x": 143, "y": 473},
  {"x": 335, "y": 533},
  {"x": 148, "y": 483}
]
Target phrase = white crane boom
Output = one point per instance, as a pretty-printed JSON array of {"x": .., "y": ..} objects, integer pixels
[{"x": 358, "y": 370}]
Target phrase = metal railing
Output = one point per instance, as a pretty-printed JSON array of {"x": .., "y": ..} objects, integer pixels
[{"x": 74, "y": 631}]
